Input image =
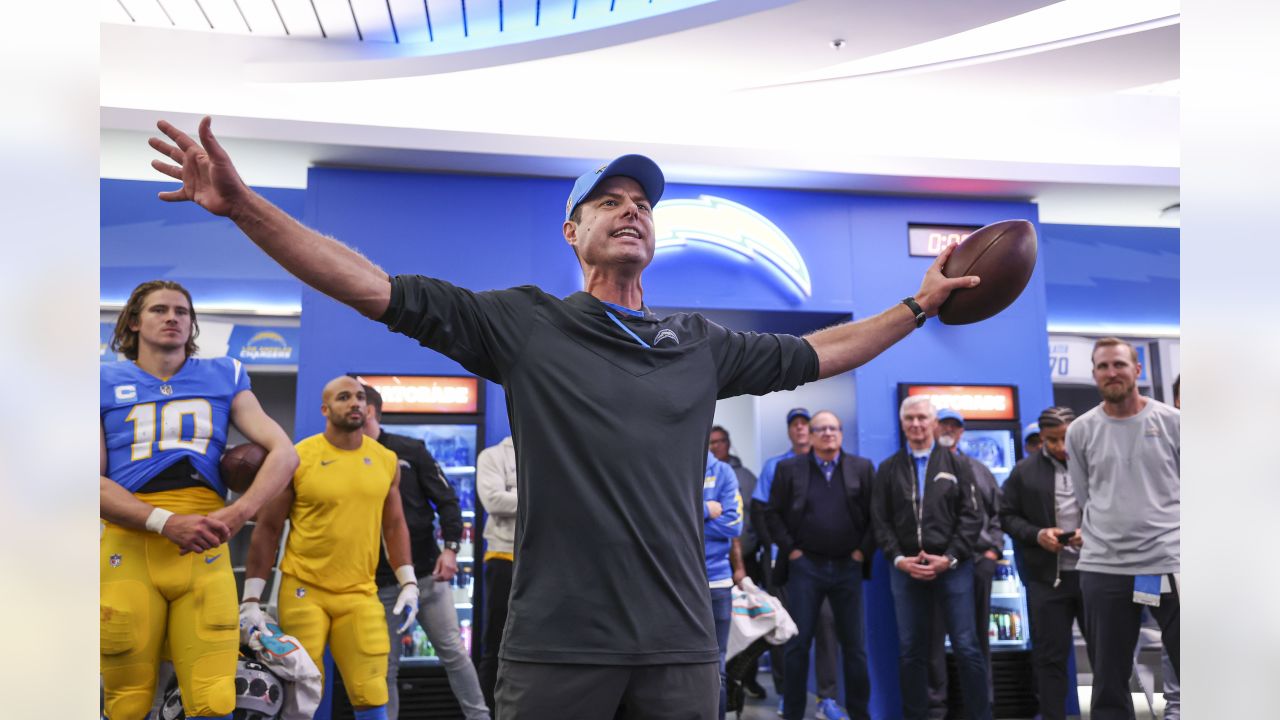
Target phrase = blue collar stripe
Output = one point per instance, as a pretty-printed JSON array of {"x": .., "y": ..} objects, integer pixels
[
  {"x": 624, "y": 327},
  {"x": 625, "y": 310}
]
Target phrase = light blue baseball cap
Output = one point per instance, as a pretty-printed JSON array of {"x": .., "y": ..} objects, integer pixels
[
  {"x": 1029, "y": 430},
  {"x": 949, "y": 414},
  {"x": 637, "y": 167}
]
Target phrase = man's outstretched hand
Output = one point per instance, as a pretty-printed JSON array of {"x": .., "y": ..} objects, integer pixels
[
  {"x": 935, "y": 288},
  {"x": 209, "y": 179}
]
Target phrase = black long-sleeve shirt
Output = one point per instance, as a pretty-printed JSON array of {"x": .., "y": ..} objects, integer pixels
[{"x": 424, "y": 492}]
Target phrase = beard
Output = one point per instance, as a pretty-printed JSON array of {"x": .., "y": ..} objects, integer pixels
[
  {"x": 344, "y": 422},
  {"x": 946, "y": 441},
  {"x": 1116, "y": 392}
]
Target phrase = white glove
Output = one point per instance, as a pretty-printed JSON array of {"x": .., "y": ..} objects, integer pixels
[
  {"x": 252, "y": 617},
  {"x": 408, "y": 598}
]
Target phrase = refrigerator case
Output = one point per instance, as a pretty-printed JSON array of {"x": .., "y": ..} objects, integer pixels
[
  {"x": 454, "y": 443},
  {"x": 998, "y": 445}
]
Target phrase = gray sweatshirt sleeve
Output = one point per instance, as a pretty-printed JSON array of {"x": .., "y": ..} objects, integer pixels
[{"x": 1077, "y": 465}]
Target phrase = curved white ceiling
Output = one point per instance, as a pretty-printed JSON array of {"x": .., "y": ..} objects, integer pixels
[{"x": 981, "y": 97}]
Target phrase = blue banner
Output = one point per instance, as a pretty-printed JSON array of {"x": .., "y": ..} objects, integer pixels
[
  {"x": 104, "y": 343},
  {"x": 264, "y": 345}
]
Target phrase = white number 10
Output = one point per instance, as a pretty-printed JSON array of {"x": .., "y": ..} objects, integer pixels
[{"x": 143, "y": 418}]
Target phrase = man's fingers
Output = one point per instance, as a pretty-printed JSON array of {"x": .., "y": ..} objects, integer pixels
[
  {"x": 941, "y": 260},
  {"x": 172, "y": 171},
  {"x": 211, "y": 144},
  {"x": 166, "y": 149},
  {"x": 967, "y": 281},
  {"x": 172, "y": 196},
  {"x": 182, "y": 140}
]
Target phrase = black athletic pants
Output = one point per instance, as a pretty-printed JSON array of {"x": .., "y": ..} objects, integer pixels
[
  {"x": 1113, "y": 623},
  {"x": 497, "y": 594},
  {"x": 1052, "y": 612},
  {"x": 545, "y": 691}
]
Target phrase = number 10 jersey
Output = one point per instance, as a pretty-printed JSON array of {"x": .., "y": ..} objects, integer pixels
[{"x": 151, "y": 423}]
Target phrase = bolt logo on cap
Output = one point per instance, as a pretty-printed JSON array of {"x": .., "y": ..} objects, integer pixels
[{"x": 637, "y": 167}]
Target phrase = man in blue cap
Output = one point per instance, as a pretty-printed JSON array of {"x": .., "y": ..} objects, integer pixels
[
  {"x": 1031, "y": 440},
  {"x": 609, "y": 406},
  {"x": 988, "y": 549}
]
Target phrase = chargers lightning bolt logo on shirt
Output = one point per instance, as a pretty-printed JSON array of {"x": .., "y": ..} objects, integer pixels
[{"x": 666, "y": 334}]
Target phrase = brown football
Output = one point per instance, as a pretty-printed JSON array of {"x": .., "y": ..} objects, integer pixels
[
  {"x": 240, "y": 465},
  {"x": 1003, "y": 254}
]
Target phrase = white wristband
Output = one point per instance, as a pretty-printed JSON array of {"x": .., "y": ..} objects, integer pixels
[
  {"x": 406, "y": 576},
  {"x": 253, "y": 588},
  {"x": 156, "y": 520}
]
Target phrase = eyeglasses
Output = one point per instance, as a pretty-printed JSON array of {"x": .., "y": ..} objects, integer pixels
[
  {"x": 823, "y": 429},
  {"x": 718, "y": 441}
]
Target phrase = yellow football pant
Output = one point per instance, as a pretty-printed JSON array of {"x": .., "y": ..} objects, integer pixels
[
  {"x": 149, "y": 595},
  {"x": 354, "y": 625}
]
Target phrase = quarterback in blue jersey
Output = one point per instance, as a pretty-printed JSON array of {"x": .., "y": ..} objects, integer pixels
[{"x": 165, "y": 573}]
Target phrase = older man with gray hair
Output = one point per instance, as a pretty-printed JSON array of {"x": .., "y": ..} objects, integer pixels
[{"x": 926, "y": 523}]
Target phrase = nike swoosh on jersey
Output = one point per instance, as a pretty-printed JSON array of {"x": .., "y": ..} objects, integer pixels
[
  {"x": 327, "y": 462},
  {"x": 209, "y": 560}
]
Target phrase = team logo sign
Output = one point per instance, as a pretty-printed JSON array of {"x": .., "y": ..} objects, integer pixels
[
  {"x": 267, "y": 345},
  {"x": 720, "y": 224},
  {"x": 115, "y": 560},
  {"x": 166, "y": 389}
]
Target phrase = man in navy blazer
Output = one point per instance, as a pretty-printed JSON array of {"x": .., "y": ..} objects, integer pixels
[{"x": 819, "y": 516}]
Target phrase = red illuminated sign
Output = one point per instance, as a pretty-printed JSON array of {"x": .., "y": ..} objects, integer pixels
[
  {"x": 424, "y": 394},
  {"x": 974, "y": 402}
]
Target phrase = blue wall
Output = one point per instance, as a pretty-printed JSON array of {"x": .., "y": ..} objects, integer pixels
[
  {"x": 144, "y": 238},
  {"x": 1110, "y": 277},
  {"x": 486, "y": 232}
]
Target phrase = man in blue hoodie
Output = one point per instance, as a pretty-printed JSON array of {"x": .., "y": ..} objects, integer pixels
[{"x": 722, "y": 522}]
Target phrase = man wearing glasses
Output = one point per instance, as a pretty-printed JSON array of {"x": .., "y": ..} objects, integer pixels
[{"x": 819, "y": 515}]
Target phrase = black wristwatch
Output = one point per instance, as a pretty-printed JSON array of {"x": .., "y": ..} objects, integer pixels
[
  {"x": 453, "y": 545},
  {"x": 915, "y": 308}
]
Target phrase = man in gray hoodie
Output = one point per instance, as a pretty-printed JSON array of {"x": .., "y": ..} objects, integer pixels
[{"x": 1125, "y": 469}]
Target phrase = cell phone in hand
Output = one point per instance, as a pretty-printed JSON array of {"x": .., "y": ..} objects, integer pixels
[{"x": 1065, "y": 537}]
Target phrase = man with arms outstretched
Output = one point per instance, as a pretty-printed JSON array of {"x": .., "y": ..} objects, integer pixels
[
  {"x": 609, "y": 405},
  {"x": 165, "y": 573}
]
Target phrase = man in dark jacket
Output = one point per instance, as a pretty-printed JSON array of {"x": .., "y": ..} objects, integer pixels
[
  {"x": 422, "y": 487},
  {"x": 1039, "y": 509},
  {"x": 988, "y": 549},
  {"x": 819, "y": 515},
  {"x": 927, "y": 523}
]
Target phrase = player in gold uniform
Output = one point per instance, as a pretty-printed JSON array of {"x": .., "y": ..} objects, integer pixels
[
  {"x": 344, "y": 502},
  {"x": 165, "y": 574}
]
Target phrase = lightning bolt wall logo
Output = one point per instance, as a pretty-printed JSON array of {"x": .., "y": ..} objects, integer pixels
[
  {"x": 267, "y": 345},
  {"x": 724, "y": 224}
]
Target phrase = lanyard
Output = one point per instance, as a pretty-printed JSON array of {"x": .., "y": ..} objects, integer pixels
[
  {"x": 625, "y": 329},
  {"x": 917, "y": 501}
]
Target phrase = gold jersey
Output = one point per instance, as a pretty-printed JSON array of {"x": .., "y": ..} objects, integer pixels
[{"x": 335, "y": 530}]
